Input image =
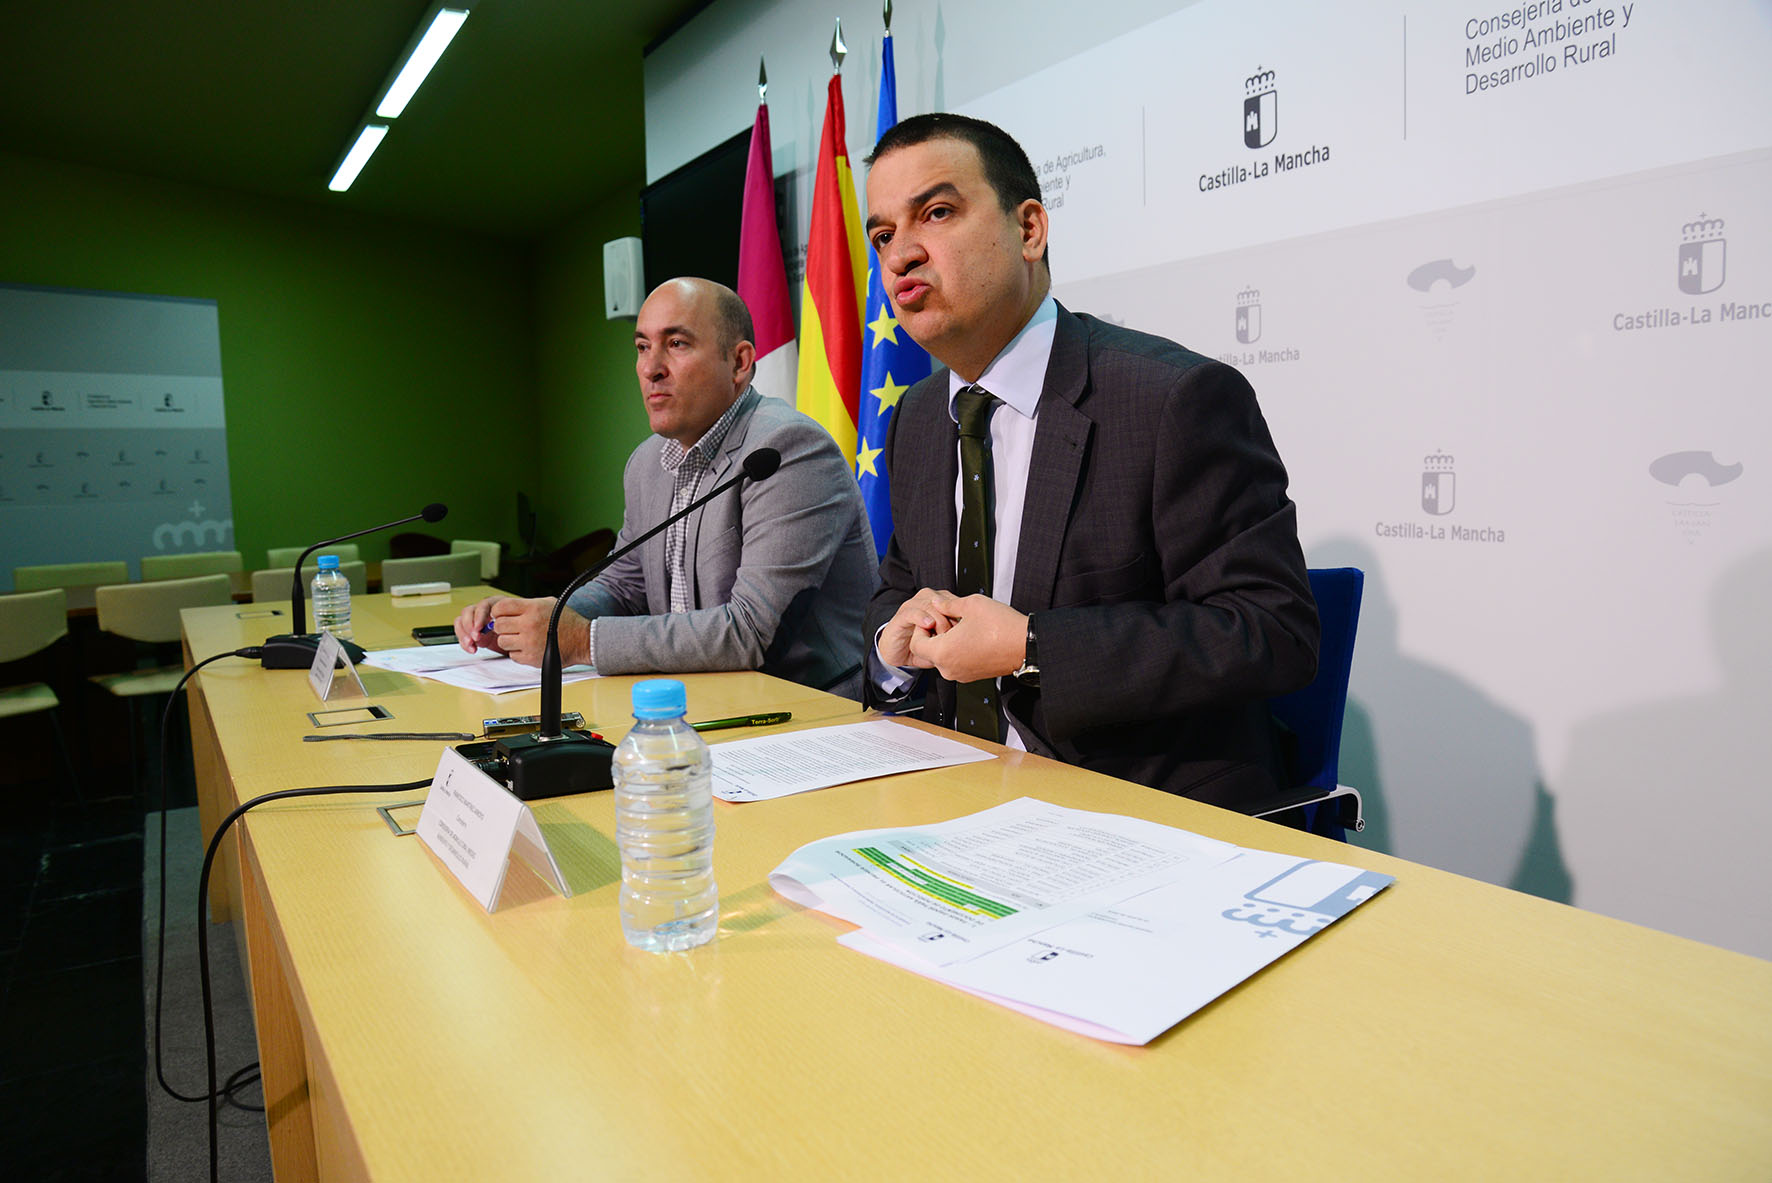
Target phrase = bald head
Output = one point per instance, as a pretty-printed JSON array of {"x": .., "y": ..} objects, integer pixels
[
  {"x": 731, "y": 318},
  {"x": 695, "y": 355}
]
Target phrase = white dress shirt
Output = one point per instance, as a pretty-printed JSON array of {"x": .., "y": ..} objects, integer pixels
[{"x": 1016, "y": 376}]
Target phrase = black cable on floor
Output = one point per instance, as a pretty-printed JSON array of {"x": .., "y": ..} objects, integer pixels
[
  {"x": 165, "y": 792},
  {"x": 203, "y": 926},
  {"x": 240, "y": 1079}
]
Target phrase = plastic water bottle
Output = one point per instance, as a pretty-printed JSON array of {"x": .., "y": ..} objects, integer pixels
[
  {"x": 664, "y": 825},
  {"x": 332, "y": 599}
]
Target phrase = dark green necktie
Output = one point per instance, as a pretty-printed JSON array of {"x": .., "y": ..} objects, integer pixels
[{"x": 975, "y": 703}]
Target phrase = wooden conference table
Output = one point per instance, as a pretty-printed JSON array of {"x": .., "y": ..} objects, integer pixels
[{"x": 1448, "y": 1029}]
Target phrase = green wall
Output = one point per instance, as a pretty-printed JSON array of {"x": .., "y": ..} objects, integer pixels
[
  {"x": 370, "y": 365},
  {"x": 586, "y": 387}
]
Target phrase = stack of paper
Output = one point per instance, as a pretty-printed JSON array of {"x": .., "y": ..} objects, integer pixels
[
  {"x": 486, "y": 671},
  {"x": 771, "y": 766},
  {"x": 1110, "y": 926}
]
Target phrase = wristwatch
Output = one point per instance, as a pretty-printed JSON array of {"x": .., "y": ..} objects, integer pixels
[{"x": 1029, "y": 673}]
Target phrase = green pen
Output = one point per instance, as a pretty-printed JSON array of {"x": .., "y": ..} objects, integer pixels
[{"x": 768, "y": 720}]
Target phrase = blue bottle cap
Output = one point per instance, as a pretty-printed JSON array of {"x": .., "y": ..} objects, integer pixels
[
  {"x": 328, "y": 562},
  {"x": 659, "y": 698}
]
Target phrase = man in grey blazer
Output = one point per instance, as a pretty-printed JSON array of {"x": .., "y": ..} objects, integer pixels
[
  {"x": 1145, "y": 591},
  {"x": 774, "y": 576}
]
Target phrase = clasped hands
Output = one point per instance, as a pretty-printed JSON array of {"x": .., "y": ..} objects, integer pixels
[
  {"x": 962, "y": 638},
  {"x": 520, "y": 629}
]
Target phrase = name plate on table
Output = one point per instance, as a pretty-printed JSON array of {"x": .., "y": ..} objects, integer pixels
[
  {"x": 329, "y": 655},
  {"x": 473, "y": 824}
]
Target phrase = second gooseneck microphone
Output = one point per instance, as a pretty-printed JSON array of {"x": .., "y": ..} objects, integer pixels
[
  {"x": 295, "y": 649},
  {"x": 552, "y": 762}
]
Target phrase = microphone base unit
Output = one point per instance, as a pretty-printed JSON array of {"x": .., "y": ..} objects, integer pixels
[
  {"x": 534, "y": 769},
  {"x": 296, "y": 652}
]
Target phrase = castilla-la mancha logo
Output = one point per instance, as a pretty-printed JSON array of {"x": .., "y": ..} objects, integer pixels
[
  {"x": 1261, "y": 117},
  {"x": 1249, "y": 316},
  {"x": 1439, "y": 484},
  {"x": 1702, "y": 251},
  {"x": 1439, "y": 495}
]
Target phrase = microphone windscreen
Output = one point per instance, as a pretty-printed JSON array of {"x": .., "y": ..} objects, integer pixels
[
  {"x": 436, "y": 511},
  {"x": 762, "y": 463}
]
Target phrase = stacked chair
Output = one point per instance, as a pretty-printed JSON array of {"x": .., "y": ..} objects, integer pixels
[
  {"x": 148, "y": 614},
  {"x": 31, "y": 622}
]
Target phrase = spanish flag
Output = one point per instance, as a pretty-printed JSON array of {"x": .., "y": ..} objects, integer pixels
[{"x": 829, "y": 386}]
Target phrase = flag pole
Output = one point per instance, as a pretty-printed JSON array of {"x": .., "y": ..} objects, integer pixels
[
  {"x": 762, "y": 273},
  {"x": 891, "y": 362}
]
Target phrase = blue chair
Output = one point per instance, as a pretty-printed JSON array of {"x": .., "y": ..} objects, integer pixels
[{"x": 1314, "y": 715}]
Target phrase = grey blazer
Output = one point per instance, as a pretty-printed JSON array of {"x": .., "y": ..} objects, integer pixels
[
  {"x": 782, "y": 568},
  {"x": 1158, "y": 559}
]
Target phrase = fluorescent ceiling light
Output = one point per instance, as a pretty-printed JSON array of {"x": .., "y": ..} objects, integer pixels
[
  {"x": 424, "y": 55},
  {"x": 368, "y": 140}
]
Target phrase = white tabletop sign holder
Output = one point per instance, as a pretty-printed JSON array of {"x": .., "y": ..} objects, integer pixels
[
  {"x": 329, "y": 655},
  {"x": 473, "y": 825}
]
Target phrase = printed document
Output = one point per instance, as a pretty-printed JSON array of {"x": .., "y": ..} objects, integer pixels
[
  {"x": 953, "y": 890},
  {"x": 485, "y": 671},
  {"x": 1125, "y": 970},
  {"x": 797, "y": 761}
]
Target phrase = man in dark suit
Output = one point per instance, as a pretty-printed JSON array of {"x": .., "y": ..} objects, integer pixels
[{"x": 1093, "y": 543}]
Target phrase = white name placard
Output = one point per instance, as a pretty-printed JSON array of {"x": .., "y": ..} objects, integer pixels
[
  {"x": 474, "y": 825},
  {"x": 329, "y": 655}
]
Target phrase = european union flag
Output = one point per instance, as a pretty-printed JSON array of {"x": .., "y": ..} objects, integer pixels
[{"x": 891, "y": 363}]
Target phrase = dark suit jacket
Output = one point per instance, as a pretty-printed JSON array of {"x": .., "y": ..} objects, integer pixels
[{"x": 1159, "y": 560}]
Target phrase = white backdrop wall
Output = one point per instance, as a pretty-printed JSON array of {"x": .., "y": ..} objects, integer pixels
[
  {"x": 1502, "y": 276},
  {"x": 113, "y": 435}
]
